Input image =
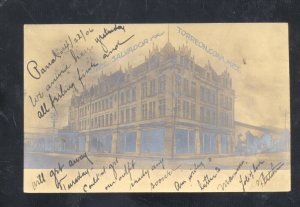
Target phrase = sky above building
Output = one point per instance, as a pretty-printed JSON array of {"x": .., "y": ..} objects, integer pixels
[{"x": 260, "y": 51}]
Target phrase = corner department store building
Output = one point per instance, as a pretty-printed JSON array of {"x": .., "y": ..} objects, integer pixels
[{"x": 167, "y": 106}]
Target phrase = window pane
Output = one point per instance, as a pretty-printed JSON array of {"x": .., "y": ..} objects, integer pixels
[
  {"x": 152, "y": 141},
  {"x": 181, "y": 141},
  {"x": 191, "y": 141}
]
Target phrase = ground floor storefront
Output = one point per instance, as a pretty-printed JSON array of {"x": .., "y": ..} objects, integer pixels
[
  {"x": 160, "y": 141},
  {"x": 142, "y": 140}
]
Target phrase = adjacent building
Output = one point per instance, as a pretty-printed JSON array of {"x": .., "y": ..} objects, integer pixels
[{"x": 167, "y": 106}]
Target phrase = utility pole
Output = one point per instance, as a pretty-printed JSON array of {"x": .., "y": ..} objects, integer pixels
[{"x": 53, "y": 118}]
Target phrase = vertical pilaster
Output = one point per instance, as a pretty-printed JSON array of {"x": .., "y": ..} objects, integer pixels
[
  {"x": 169, "y": 146},
  {"x": 138, "y": 141},
  {"x": 114, "y": 142},
  {"x": 230, "y": 142},
  {"x": 87, "y": 143},
  {"x": 197, "y": 141},
  {"x": 219, "y": 143}
]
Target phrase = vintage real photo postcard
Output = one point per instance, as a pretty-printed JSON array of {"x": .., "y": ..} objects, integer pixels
[{"x": 156, "y": 108}]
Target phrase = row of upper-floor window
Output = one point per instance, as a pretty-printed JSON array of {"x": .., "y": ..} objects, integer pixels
[
  {"x": 208, "y": 115},
  {"x": 184, "y": 87},
  {"x": 207, "y": 95},
  {"x": 102, "y": 105},
  {"x": 96, "y": 122},
  {"x": 98, "y": 106},
  {"x": 188, "y": 110},
  {"x": 226, "y": 119},
  {"x": 128, "y": 95},
  {"x": 127, "y": 115},
  {"x": 148, "y": 110},
  {"x": 226, "y": 101}
]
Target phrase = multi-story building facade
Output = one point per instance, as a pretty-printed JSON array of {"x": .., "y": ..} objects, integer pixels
[{"x": 167, "y": 106}]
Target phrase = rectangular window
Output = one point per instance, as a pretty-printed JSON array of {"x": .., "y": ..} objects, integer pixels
[
  {"x": 208, "y": 143},
  {"x": 207, "y": 117},
  {"x": 202, "y": 114},
  {"x": 224, "y": 146},
  {"x": 162, "y": 83},
  {"x": 193, "y": 111},
  {"x": 144, "y": 111},
  {"x": 185, "y": 141},
  {"x": 110, "y": 119},
  {"x": 152, "y": 87},
  {"x": 202, "y": 93},
  {"x": 151, "y": 110},
  {"x": 162, "y": 107},
  {"x": 193, "y": 90},
  {"x": 226, "y": 102},
  {"x": 122, "y": 116},
  {"x": 102, "y": 102},
  {"x": 221, "y": 119},
  {"x": 101, "y": 143},
  {"x": 178, "y": 84},
  {"x": 152, "y": 141},
  {"x": 127, "y": 115},
  {"x": 207, "y": 95},
  {"x": 122, "y": 98},
  {"x": 178, "y": 107},
  {"x": 230, "y": 103},
  {"x": 127, "y": 142},
  {"x": 144, "y": 89},
  {"x": 213, "y": 96},
  {"x": 110, "y": 102},
  {"x": 128, "y": 96},
  {"x": 186, "y": 87},
  {"x": 226, "y": 119},
  {"x": 106, "y": 120},
  {"x": 106, "y": 103},
  {"x": 222, "y": 100},
  {"x": 213, "y": 117},
  {"x": 102, "y": 121},
  {"x": 133, "y": 92},
  {"x": 186, "y": 109},
  {"x": 133, "y": 114}
]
